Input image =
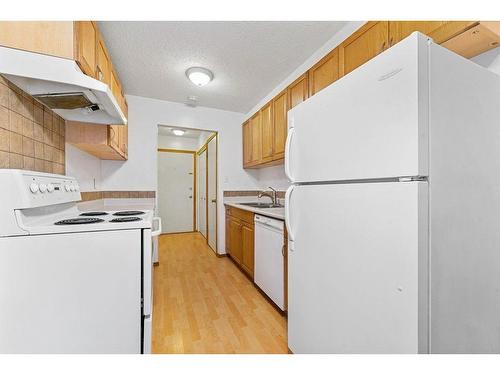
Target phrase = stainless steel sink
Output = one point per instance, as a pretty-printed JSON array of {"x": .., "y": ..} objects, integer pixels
[{"x": 262, "y": 205}]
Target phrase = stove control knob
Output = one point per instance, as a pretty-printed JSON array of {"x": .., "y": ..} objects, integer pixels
[
  {"x": 34, "y": 188},
  {"x": 67, "y": 187},
  {"x": 50, "y": 188},
  {"x": 72, "y": 188},
  {"x": 43, "y": 188},
  {"x": 77, "y": 187}
]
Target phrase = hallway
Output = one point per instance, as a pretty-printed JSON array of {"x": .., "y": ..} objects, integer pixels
[{"x": 204, "y": 304}]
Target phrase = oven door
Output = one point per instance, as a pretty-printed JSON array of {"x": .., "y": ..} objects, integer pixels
[{"x": 148, "y": 236}]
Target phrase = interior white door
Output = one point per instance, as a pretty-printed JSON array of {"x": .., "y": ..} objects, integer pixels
[
  {"x": 212, "y": 193},
  {"x": 371, "y": 123},
  {"x": 176, "y": 191},
  {"x": 353, "y": 263},
  {"x": 202, "y": 193}
]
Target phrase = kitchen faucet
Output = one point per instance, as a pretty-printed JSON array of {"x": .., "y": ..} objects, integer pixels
[{"x": 273, "y": 195}]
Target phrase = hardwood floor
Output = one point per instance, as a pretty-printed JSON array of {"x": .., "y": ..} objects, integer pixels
[{"x": 204, "y": 304}]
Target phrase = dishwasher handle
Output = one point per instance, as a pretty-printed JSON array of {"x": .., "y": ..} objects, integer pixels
[{"x": 268, "y": 222}]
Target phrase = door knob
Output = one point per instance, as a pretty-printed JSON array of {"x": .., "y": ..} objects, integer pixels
[{"x": 190, "y": 196}]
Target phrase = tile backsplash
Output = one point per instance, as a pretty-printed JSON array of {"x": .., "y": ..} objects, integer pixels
[{"x": 31, "y": 135}]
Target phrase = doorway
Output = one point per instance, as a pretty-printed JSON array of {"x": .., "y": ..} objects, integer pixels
[
  {"x": 176, "y": 179},
  {"x": 187, "y": 181}
]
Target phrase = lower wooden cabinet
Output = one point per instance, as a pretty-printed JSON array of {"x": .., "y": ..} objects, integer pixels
[
  {"x": 240, "y": 238},
  {"x": 107, "y": 142},
  {"x": 247, "y": 246}
]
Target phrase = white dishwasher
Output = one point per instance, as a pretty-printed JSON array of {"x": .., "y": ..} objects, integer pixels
[{"x": 270, "y": 258}]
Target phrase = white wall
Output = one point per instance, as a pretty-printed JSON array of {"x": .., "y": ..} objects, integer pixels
[
  {"x": 178, "y": 143},
  {"x": 140, "y": 171},
  {"x": 84, "y": 167},
  {"x": 490, "y": 60}
]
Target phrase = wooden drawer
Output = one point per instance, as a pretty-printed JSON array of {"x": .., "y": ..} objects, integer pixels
[{"x": 243, "y": 215}]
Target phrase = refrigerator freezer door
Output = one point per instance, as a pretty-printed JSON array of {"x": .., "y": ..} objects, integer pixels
[
  {"x": 372, "y": 123},
  {"x": 354, "y": 275}
]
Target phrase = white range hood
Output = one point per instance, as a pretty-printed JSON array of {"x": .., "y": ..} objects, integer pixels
[{"x": 60, "y": 84}]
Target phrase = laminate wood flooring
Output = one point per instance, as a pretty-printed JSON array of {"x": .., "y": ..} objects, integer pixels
[{"x": 205, "y": 304}]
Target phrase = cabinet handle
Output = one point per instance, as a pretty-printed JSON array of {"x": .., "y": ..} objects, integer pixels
[
  {"x": 214, "y": 200},
  {"x": 383, "y": 47},
  {"x": 391, "y": 41}
]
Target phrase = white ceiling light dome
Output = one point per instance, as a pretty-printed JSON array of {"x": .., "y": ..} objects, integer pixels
[
  {"x": 178, "y": 132},
  {"x": 199, "y": 76}
]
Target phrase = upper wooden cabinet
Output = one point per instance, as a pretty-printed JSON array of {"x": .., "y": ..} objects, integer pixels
[
  {"x": 298, "y": 91},
  {"x": 475, "y": 40},
  {"x": 102, "y": 141},
  {"x": 467, "y": 38},
  {"x": 399, "y": 30},
  {"x": 280, "y": 125},
  {"x": 267, "y": 133},
  {"x": 255, "y": 126},
  {"x": 53, "y": 38},
  {"x": 103, "y": 63},
  {"x": 247, "y": 144},
  {"x": 324, "y": 72},
  {"x": 366, "y": 43},
  {"x": 85, "y": 46},
  {"x": 80, "y": 41}
]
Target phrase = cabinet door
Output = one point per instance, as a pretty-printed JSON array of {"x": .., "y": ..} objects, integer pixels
[
  {"x": 228, "y": 232},
  {"x": 116, "y": 89},
  {"x": 267, "y": 132},
  {"x": 280, "y": 107},
  {"x": 298, "y": 91},
  {"x": 255, "y": 125},
  {"x": 399, "y": 30},
  {"x": 247, "y": 144},
  {"x": 235, "y": 238},
  {"x": 114, "y": 136},
  {"x": 103, "y": 63},
  {"x": 86, "y": 47},
  {"x": 247, "y": 241},
  {"x": 123, "y": 139},
  {"x": 325, "y": 72},
  {"x": 364, "y": 44}
]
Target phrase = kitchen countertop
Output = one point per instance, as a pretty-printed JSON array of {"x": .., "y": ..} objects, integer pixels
[{"x": 276, "y": 213}]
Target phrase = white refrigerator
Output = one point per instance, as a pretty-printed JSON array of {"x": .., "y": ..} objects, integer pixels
[{"x": 393, "y": 215}]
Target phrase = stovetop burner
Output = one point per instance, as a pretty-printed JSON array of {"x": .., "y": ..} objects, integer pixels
[
  {"x": 94, "y": 213},
  {"x": 128, "y": 213},
  {"x": 125, "y": 219},
  {"x": 79, "y": 220}
]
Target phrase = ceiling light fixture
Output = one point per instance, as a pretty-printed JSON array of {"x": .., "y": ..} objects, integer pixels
[
  {"x": 199, "y": 76},
  {"x": 178, "y": 132}
]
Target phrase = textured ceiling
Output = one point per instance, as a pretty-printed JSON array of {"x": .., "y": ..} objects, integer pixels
[{"x": 248, "y": 59}]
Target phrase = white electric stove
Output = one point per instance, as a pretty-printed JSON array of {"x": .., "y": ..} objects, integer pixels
[{"x": 71, "y": 281}]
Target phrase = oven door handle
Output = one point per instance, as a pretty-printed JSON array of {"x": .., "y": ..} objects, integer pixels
[{"x": 156, "y": 231}]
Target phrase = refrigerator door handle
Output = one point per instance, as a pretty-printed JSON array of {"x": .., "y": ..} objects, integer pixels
[
  {"x": 288, "y": 146},
  {"x": 287, "y": 212}
]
